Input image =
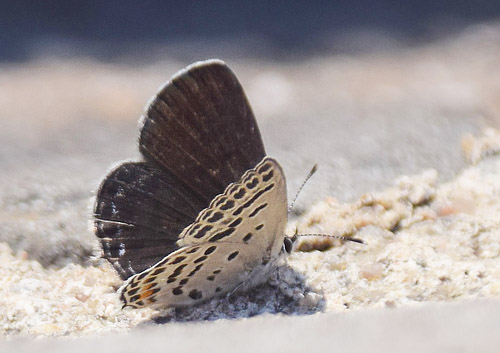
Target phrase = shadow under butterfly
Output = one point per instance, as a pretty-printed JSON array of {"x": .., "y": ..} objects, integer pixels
[{"x": 203, "y": 214}]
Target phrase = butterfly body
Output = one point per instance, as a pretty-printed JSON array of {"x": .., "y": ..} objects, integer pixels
[{"x": 204, "y": 213}]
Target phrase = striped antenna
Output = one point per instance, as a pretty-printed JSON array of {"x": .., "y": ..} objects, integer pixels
[
  {"x": 341, "y": 237},
  {"x": 313, "y": 170}
]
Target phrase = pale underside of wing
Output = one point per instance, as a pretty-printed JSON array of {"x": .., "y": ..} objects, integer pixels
[
  {"x": 191, "y": 275},
  {"x": 233, "y": 243}
]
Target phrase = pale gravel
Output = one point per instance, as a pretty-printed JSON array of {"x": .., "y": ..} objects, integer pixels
[
  {"x": 365, "y": 119},
  {"x": 426, "y": 242},
  {"x": 449, "y": 249}
]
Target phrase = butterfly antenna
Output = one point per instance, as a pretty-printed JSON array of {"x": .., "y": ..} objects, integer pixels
[
  {"x": 290, "y": 241},
  {"x": 341, "y": 237},
  {"x": 313, "y": 170}
]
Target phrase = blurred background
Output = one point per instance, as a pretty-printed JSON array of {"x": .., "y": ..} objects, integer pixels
[
  {"x": 370, "y": 90},
  {"x": 280, "y": 30}
]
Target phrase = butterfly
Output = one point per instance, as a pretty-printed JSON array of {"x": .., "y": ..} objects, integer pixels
[{"x": 203, "y": 213}]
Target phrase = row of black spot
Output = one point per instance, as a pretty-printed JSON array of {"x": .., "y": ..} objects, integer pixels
[
  {"x": 226, "y": 204},
  {"x": 197, "y": 294},
  {"x": 194, "y": 294},
  {"x": 253, "y": 199}
]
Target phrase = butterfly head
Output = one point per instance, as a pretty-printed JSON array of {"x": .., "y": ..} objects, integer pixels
[{"x": 288, "y": 243}]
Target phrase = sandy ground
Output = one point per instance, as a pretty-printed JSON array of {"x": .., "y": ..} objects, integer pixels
[
  {"x": 386, "y": 130},
  {"x": 425, "y": 243},
  {"x": 433, "y": 327}
]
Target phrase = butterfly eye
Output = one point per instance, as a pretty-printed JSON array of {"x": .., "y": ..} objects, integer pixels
[{"x": 288, "y": 244}]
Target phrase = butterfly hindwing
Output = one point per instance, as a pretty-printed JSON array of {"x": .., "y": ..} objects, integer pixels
[
  {"x": 246, "y": 235},
  {"x": 191, "y": 275},
  {"x": 139, "y": 213}
]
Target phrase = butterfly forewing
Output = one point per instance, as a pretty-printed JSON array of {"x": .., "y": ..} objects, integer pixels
[
  {"x": 258, "y": 196},
  {"x": 246, "y": 235},
  {"x": 201, "y": 129}
]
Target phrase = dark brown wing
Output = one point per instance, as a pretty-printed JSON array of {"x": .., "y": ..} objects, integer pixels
[
  {"x": 201, "y": 129},
  {"x": 139, "y": 214},
  {"x": 198, "y": 136}
]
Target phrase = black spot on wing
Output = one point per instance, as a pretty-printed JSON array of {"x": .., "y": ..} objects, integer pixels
[
  {"x": 200, "y": 259},
  {"x": 196, "y": 269},
  {"x": 241, "y": 192},
  {"x": 179, "y": 269},
  {"x": 195, "y": 294},
  {"x": 202, "y": 232},
  {"x": 268, "y": 176},
  {"x": 134, "y": 298},
  {"x": 210, "y": 250},
  {"x": 264, "y": 168},
  {"x": 222, "y": 234},
  {"x": 227, "y": 205},
  {"x": 253, "y": 183},
  {"x": 142, "y": 275},
  {"x": 216, "y": 216},
  {"x": 177, "y": 272},
  {"x": 257, "y": 210},
  {"x": 236, "y": 222},
  {"x": 133, "y": 291},
  {"x": 178, "y": 259},
  {"x": 247, "y": 237},
  {"x": 193, "y": 250},
  {"x": 158, "y": 271}
]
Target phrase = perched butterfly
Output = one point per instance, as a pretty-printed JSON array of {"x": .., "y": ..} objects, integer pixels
[{"x": 204, "y": 212}]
